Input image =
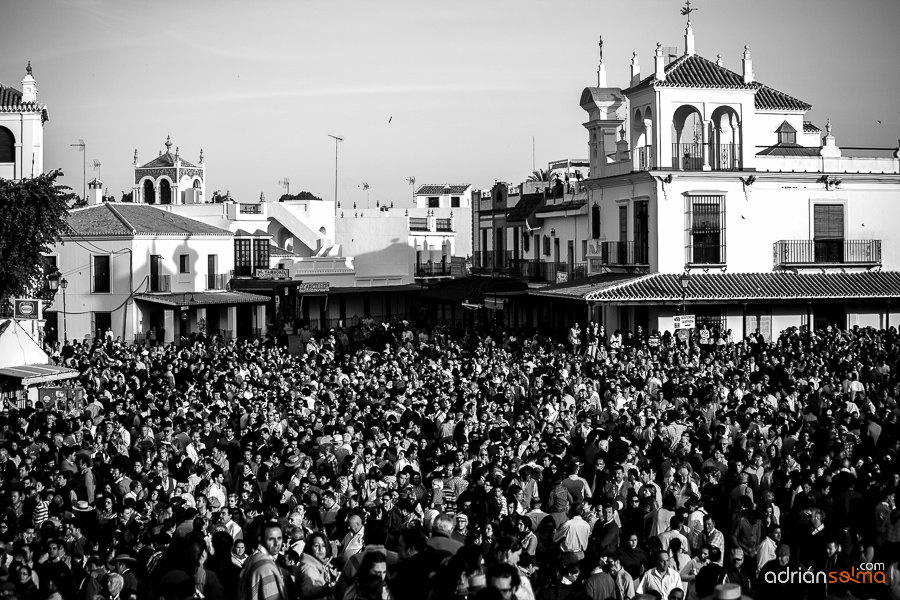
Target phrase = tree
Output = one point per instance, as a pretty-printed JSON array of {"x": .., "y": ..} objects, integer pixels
[
  {"x": 219, "y": 197},
  {"x": 300, "y": 196},
  {"x": 543, "y": 175},
  {"x": 32, "y": 219},
  {"x": 129, "y": 197}
]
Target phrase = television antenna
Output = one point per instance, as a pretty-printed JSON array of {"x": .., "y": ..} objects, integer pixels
[
  {"x": 96, "y": 163},
  {"x": 337, "y": 139},
  {"x": 286, "y": 184}
]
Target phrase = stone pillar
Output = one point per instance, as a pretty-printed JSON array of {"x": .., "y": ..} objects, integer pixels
[
  {"x": 707, "y": 142},
  {"x": 260, "y": 314},
  {"x": 169, "y": 325},
  {"x": 231, "y": 319}
]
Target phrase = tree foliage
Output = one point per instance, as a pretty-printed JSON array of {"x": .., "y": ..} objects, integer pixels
[
  {"x": 300, "y": 196},
  {"x": 32, "y": 219},
  {"x": 543, "y": 175}
]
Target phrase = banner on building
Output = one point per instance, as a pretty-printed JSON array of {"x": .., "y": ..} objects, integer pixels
[
  {"x": 458, "y": 266},
  {"x": 562, "y": 277}
]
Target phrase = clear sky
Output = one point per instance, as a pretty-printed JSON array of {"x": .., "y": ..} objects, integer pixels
[{"x": 466, "y": 84}]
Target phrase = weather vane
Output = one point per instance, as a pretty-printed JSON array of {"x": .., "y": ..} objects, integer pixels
[
  {"x": 686, "y": 10},
  {"x": 601, "y": 48}
]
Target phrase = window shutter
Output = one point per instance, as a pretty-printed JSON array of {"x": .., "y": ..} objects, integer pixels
[{"x": 828, "y": 221}]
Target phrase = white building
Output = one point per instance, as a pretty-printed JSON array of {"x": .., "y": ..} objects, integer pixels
[
  {"x": 132, "y": 267},
  {"x": 169, "y": 179},
  {"x": 22, "y": 120},
  {"x": 701, "y": 170}
]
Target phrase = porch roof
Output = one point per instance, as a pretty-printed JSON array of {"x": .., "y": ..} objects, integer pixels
[
  {"x": 201, "y": 298},
  {"x": 712, "y": 287},
  {"x": 580, "y": 288}
]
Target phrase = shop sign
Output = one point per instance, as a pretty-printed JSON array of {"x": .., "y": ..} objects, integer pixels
[
  {"x": 272, "y": 273},
  {"x": 315, "y": 286}
]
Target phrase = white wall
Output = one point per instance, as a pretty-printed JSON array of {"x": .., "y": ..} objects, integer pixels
[{"x": 379, "y": 245}]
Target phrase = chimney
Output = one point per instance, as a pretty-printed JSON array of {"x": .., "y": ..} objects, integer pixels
[
  {"x": 659, "y": 63},
  {"x": 95, "y": 192},
  {"x": 601, "y": 74},
  {"x": 689, "y": 40},
  {"x": 748, "y": 66},
  {"x": 635, "y": 69},
  {"x": 29, "y": 88}
]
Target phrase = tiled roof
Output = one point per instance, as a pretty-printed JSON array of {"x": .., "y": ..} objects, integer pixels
[
  {"x": 166, "y": 159},
  {"x": 9, "y": 96},
  {"x": 767, "y": 98},
  {"x": 580, "y": 288},
  {"x": 785, "y": 149},
  {"x": 202, "y": 298},
  {"x": 257, "y": 233},
  {"x": 694, "y": 71},
  {"x": 785, "y": 127},
  {"x": 276, "y": 251},
  {"x": 430, "y": 189},
  {"x": 808, "y": 127},
  {"x": 563, "y": 206},
  {"x": 526, "y": 205},
  {"x": 127, "y": 220},
  {"x": 706, "y": 287}
]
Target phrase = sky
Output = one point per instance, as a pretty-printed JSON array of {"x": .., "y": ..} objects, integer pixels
[{"x": 470, "y": 91}]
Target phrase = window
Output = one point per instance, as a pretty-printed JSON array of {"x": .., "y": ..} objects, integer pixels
[
  {"x": 454, "y": 202},
  {"x": 242, "y": 260},
  {"x": 595, "y": 222},
  {"x": 260, "y": 254},
  {"x": 101, "y": 322},
  {"x": 7, "y": 146},
  {"x": 705, "y": 230},
  {"x": 434, "y": 202},
  {"x": 828, "y": 233},
  {"x": 546, "y": 245},
  {"x": 184, "y": 263},
  {"x": 583, "y": 250},
  {"x": 102, "y": 274}
]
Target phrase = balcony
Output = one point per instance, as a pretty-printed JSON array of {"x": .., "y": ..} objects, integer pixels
[
  {"x": 722, "y": 157},
  {"x": 433, "y": 269},
  {"x": 160, "y": 283},
  {"x": 549, "y": 272},
  {"x": 800, "y": 253},
  {"x": 250, "y": 209},
  {"x": 624, "y": 253},
  {"x": 418, "y": 223},
  {"x": 443, "y": 224},
  {"x": 643, "y": 158},
  {"x": 217, "y": 281}
]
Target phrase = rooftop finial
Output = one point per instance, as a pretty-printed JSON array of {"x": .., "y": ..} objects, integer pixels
[
  {"x": 176, "y": 152},
  {"x": 135, "y": 156},
  {"x": 719, "y": 60},
  {"x": 686, "y": 11},
  {"x": 168, "y": 143},
  {"x": 28, "y": 68},
  {"x": 262, "y": 197},
  {"x": 600, "y": 44},
  {"x": 828, "y": 127},
  {"x": 201, "y": 156},
  {"x": 622, "y": 132}
]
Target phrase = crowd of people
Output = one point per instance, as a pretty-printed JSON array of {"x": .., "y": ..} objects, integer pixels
[{"x": 436, "y": 463}]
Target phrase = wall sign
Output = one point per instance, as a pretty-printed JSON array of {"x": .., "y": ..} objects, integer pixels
[
  {"x": 26, "y": 308},
  {"x": 315, "y": 286},
  {"x": 272, "y": 273}
]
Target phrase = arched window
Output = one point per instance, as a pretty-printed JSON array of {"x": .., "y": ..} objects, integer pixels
[
  {"x": 196, "y": 184},
  {"x": 595, "y": 222},
  {"x": 7, "y": 146},
  {"x": 165, "y": 192},
  {"x": 149, "y": 192}
]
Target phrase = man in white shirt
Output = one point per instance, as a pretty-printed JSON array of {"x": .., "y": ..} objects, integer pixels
[
  {"x": 663, "y": 579},
  {"x": 573, "y": 537},
  {"x": 766, "y": 549},
  {"x": 225, "y": 517}
]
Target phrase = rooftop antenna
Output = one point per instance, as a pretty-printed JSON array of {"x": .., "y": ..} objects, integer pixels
[
  {"x": 412, "y": 181},
  {"x": 286, "y": 184},
  {"x": 96, "y": 164},
  {"x": 365, "y": 187},
  {"x": 337, "y": 139}
]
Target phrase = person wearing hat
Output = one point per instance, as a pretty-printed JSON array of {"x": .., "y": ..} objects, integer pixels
[
  {"x": 123, "y": 563},
  {"x": 727, "y": 591}
]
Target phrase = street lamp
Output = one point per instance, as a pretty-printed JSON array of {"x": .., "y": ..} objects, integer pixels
[
  {"x": 56, "y": 282},
  {"x": 685, "y": 281}
]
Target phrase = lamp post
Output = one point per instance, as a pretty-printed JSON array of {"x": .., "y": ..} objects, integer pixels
[
  {"x": 337, "y": 139},
  {"x": 56, "y": 282},
  {"x": 685, "y": 281}
]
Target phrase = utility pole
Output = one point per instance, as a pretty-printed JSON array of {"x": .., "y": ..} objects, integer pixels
[
  {"x": 82, "y": 147},
  {"x": 336, "y": 140}
]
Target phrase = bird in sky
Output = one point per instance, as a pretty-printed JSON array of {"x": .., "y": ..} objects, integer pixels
[{"x": 389, "y": 120}]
